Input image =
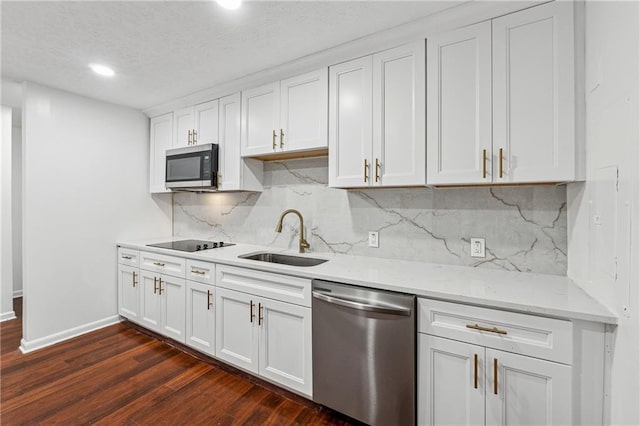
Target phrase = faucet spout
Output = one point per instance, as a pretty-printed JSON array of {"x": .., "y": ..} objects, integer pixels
[{"x": 303, "y": 244}]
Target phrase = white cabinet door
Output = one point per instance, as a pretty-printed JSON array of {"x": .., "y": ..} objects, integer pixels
[
  {"x": 303, "y": 111},
  {"x": 206, "y": 123},
  {"x": 129, "y": 292},
  {"x": 236, "y": 335},
  {"x": 528, "y": 391},
  {"x": 150, "y": 301},
  {"x": 459, "y": 106},
  {"x": 201, "y": 317},
  {"x": 533, "y": 95},
  {"x": 229, "y": 159},
  {"x": 260, "y": 120},
  {"x": 399, "y": 116},
  {"x": 350, "y": 123},
  {"x": 183, "y": 126},
  {"x": 285, "y": 344},
  {"x": 451, "y": 388},
  {"x": 161, "y": 139},
  {"x": 172, "y": 294}
]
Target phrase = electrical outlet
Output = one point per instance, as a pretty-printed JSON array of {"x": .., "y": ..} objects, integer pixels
[
  {"x": 373, "y": 239},
  {"x": 477, "y": 247}
]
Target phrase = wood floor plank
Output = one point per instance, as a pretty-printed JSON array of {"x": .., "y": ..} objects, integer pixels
[{"x": 121, "y": 375}]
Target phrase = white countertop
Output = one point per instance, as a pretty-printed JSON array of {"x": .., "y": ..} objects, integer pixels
[{"x": 548, "y": 295}]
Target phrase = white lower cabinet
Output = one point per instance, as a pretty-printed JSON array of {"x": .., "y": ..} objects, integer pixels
[
  {"x": 129, "y": 292},
  {"x": 236, "y": 340},
  {"x": 464, "y": 384},
  {"x": 201, "y": 317},
  {"x": 265, "y": 336},
  {"x": 162, "y": 304}
]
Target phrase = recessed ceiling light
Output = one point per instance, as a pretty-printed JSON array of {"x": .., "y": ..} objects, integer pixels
[
  {"x": 102, "y": 70},
  {"x": 230, "y": 4}
]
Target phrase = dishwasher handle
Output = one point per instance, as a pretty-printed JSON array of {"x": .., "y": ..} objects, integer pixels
[{"x": 355, "y": 304}]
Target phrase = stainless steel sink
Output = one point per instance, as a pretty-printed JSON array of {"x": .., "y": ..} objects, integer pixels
[{"x": 283, "y": 259}]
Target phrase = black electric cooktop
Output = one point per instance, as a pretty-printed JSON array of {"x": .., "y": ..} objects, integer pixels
[{"x": 191, "y": 245}]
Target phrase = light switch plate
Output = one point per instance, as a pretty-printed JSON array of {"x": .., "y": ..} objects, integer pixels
[
  {"x": 373, "y": 239},
  {"x": 477, "y": 247}
]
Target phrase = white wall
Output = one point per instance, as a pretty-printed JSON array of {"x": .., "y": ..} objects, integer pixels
[
  {"x": 603, "y": 213},
  {"x": 85, "y": 187},
  {"x": 6, "y": 261},
  {"x": 16, "y": 207}
]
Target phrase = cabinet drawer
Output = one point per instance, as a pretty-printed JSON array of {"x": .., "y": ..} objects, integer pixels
[
  {"x": 274, "y": 286},
  {"x": 202, "y": 272},
  {"x": 163, "y": 264},
  {"x": 128, "y": 256},
  {"x": 540, "y": 337}
]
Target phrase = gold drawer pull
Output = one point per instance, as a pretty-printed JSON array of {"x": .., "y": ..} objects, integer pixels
[
  {"x": 251, "y": 314},
  {"x": 158, "y": 264},
  {"x": 260, "y": 317},
  {"x": 155, "y": 285},
  {"x": 134, "y": 279},
  {"x": 366, "y": 171},
  {"x": 189, "y": 141},
  {"x": 481, "y": 328},
  {"x": 208, "y": 300},
  {"x": 126, "y": 257},
  {"x": 195, "y": 271},
  {"x": 377, "y": 170},
  {"x": 501, "y": 168},
  {"x": 160, "y": 286},
  {"x": 281, "y": 138},
  {"x": 273, "y": 140}
]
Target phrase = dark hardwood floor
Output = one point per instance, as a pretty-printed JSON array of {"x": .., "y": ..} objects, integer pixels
[{"x": 121, "y": 375}]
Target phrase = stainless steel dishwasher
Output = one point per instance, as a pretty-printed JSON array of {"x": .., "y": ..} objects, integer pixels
[{"x": 364, "y": 352}]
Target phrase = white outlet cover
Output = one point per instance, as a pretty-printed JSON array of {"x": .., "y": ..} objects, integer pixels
[
  {"x": 373, "y": 239},
  {"x": 477, "y": 247}
]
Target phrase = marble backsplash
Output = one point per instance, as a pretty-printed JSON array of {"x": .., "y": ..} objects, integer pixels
[{"x": 525, "y": 227}]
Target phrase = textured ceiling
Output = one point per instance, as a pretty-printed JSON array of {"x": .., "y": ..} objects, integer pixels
[{"x": 164, "y": 50}]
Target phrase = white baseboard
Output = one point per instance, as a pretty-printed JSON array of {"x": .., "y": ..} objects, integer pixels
[
  {"x": 6, "y": 316},
  {"x": 17, "y": 293},
  {"x": 43, "y": 342}
]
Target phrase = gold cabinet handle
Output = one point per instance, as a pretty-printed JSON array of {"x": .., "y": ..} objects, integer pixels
[
  {"x": 189, "y": 137},
  {"x": 195, "y": 271},
  {"x": 208, "y": 300},
  {"x": 366, "y": 171},
  {"x": 281, "y": 138},
  {"x": 377, "y": 170},
  {"x": 251, "y": 315},
  {"x": 260, "y": 318},
  {"x": 475, "y": 371},
  {"x": 500, "y": 161},
  {"x": 481, "y": 328},
  {"x": 159, "y": 264},
  {"x": 273, "y": 140},
  {"x": 484, "y": 164},
  {"x": 160, "y": 286},
  {"x": 195, "y": 137},
  {"x": 155, "y": 285},
  {"x": 495, "y": 376},
  {"x": 133, "y": 281},
  {"x": 126, "y": 257}
]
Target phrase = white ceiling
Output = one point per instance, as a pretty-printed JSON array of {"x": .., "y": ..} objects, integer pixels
[{"x": 164, "y": 50}]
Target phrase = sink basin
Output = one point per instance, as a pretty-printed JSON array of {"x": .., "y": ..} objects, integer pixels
[{"x": 283, "y": 259}]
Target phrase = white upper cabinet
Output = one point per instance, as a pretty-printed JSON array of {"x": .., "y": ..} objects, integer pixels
[
  {"x": 399, "y": 116},
  {"x": 376, "y": 120},
  {"x": 206, "y": 123},
  {"x": 286, "y": 116},
  {"x": 235, "y": 173},
  {"x": 260, "y": 119},
  {"x": 303, "y": 111},
  {"x": 350, "y": 123},
  {"x": 183, "y": 125},
  {"x": 501, "y": 102},
  {"x": 533, "y": 94},
  {"x": 459, "y": 106},
  {"x": 161, "y": 139}
]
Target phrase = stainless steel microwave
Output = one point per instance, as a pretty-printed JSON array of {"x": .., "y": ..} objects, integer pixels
[{"x": 192, "y": 168}]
